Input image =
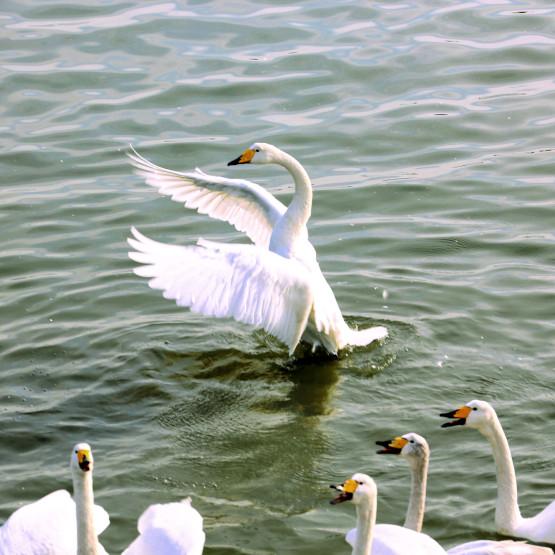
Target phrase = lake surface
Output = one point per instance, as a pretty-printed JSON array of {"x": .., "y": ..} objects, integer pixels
[{"x": 428, "y": 131}]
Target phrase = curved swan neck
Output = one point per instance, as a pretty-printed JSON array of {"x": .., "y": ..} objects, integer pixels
[
  {"x": 415, "y": 511},
  {"x": 366, "y": 519},
  {"x": 87, "y": 542},
  {"x": 507, "y": 513},
  {"x": 299, "y": 210}
]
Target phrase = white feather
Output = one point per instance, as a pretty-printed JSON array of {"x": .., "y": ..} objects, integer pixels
[
  {"x": 244, "y": 282},
  {"x": 169, "y": 529},
  {"x": 245, "y": 205}
]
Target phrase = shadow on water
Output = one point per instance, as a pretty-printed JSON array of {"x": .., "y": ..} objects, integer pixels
[{"x": 251, "y": 423}]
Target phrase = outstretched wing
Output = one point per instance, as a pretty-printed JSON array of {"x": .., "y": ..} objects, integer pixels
[
  {"x": 245, "y": 205},
  {"x": 245, "y": 282}
]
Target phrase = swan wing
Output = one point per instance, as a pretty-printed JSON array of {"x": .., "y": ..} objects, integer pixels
[
  {"x": 389, "y": 539},
  {"x": 48, "y": 525},
  {"x": 171, "y": 529},
  {"x": 244, "y": 282},
  {"x": 492, "y": 547},
  {"x": 245, "y": 205},
  {"x": 539, "y": 528}
]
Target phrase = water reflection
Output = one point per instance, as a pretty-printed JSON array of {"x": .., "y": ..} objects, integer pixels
[{"x": 265, "y": 416}]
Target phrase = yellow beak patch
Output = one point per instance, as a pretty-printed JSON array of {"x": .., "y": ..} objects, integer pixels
[
  {"x": 247, "y": 156},
  {"x": 350, "y": 486},
  {"x": 463, "y": 412},
  {"x": 398, "y": 443},
  {"x": 83, "y": 455}
]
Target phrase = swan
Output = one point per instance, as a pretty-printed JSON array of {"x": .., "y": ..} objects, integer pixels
[
  {"x": 169, "y": 528},
  {"x": 55, "y": 524},
  {"x": 416, "y": 451},
  {"x": 540, "y": 528},
  {"x": 275, "y": 283},
  {"x": 369, "y": 538}
]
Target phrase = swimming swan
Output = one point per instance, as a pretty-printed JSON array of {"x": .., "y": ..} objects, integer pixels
[
  {"x": 369, "y": 538},
  {"x": 415, "y": 450},
  {"x": 171, "y": 529},
  {"x": 275, "y": 284},
  {"x": 56, "y": 523},
  {"x": 541, "y": 528}
]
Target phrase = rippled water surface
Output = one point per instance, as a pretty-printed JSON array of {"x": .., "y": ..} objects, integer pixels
[{"x": 428, "y": 132}]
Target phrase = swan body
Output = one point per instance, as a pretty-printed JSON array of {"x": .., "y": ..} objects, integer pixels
[
  {"x": 275, "y": 283},
  {"x": 369, "y": 538},
  {"x": 482, "y": 416},
  {"x": 416, "y": 451},
  {"x": 56, "y": 524},
  {"x": 171, "y": 529},
  {"x": 505, "y": 547},
  {"x": 540, "y": 528}
]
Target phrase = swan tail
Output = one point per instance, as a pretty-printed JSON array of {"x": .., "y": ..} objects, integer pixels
[{"x": 360, "y": 338}]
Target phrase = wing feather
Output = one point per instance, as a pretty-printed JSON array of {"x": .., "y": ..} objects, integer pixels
[
  {"x": 244, "y": 282},
  {"x": 245, "y": 205}
]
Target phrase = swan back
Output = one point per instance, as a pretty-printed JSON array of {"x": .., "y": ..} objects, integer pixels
[{"x": 171, "y": 529}]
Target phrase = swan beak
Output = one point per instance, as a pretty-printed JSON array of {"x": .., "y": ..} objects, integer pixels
[
  {"x": 84, "y": 459},
  {"x": 245, "y": 158},
  {"x": 392, "y": 447},
  {"x": 461, "y": 414},
  {"x": 346, "y": 491}
]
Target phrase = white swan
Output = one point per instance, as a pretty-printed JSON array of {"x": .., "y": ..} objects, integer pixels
[
  {"x": 56, "y": 524},
  {"x": 541, "y": 528},
  {"x": 169, "y": 529},
  {"x": 275, "y": 284},
  {"x": 416, "y": 451},
  {"x": 369, "y": 538}
]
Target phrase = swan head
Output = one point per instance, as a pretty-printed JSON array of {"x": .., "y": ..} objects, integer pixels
[
  {"x": 258, "y": 153},
  {"x": 358, "y": 489},
  {"x": 81, "y": 459},
  {"x": 476, "y": 414},
  {"x": 410, "y": 446}
]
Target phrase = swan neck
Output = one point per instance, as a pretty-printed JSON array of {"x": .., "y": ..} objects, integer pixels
[
  {"x": 87, "y": 541},
  {"x": 301, "y": 205},
  {"x": 366, "y": 520},
  {"x": 417, "y": 502},
  {"x": 507, "y": 513}
]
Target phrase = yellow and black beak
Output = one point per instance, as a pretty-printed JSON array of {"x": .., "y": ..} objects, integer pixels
[
  {"x": 392, "y": 447},
  {"x": 84, "y": 459},
  {"x": 245, "y": 158},
  {"x": 346, "y": 491},
  {"x": 460, "y": 415}
]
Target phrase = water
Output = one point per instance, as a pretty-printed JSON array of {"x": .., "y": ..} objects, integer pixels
[{"x": 427, "y": 131}]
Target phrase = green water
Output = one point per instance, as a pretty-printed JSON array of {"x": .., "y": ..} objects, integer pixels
[{"x": 428, "y": 132}]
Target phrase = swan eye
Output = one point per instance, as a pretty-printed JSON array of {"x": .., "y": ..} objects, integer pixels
[
  {"x": 412, "y": 440},
  {"x": 475, "y": 408},
  {"x": 257, "y": 150}
]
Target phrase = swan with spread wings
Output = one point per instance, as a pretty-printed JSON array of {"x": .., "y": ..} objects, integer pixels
[{"x": 275, "y": 283}]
